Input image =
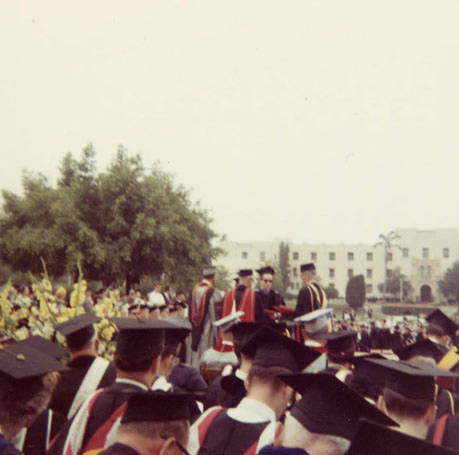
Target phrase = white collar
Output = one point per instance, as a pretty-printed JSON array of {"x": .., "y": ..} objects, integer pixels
[
  {"x": 132, "y": 382},
  {"x": 19, "y": 439},
  {"x": 228, "y": 343},
  {"x": 240, "y": 374},
  {"x": 206, "y": 281},
  {"x": 250, "y": 410}
]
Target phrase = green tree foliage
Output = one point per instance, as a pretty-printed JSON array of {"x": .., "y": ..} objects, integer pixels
[
  {"x": 355, "y": 292},
  {"x": 392, "y": 285},
  {"x": 331, "y": 292},
  {"x": 284, "y": 268},
  {"x": 123, "y": 224},
  {"x": 449, "y": 285},
  {"x": 223, "y": 280}
]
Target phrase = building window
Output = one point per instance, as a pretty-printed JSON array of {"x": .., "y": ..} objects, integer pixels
[
  {"x": 421, "y": 271},
  {"x": 429, "y": 271},
  {"x": 263, "y": 256},
  {"x": 369, "y": 256},
  {"x": 295, "y": 256},
  {"x": 389, "y": 256},
  {"x": 331, "y": 273},
  {"x": 295, "y": 271},
  {"x": 350, "y": 256},
  {"x": 331, "y": 256},
  {"x": 245, "y": 255},
  {"x": 369, "y": 273},
  {"x": 446, "y": 252},
  {"x": 405, "y": 252},
  {"x": 350, "y": 273},
  {"x": 331, "y": 285},
  {"x": 425, "y": 253},
  {"x": 313, "y": 256},
  {"x": 388, "y": 273},
  {"x": 369, "y": 288}
]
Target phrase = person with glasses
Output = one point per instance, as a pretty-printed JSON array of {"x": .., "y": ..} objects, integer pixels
[{"x": 273, "y": 304}]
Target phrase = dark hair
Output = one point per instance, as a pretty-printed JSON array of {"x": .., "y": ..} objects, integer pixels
[
  {"x": 24, "y": 398},
  {"x": 402, "y": 406},
  {"x": 80, "y": 339},
  {"x": 136, "y": 364},
  {"x": 156, "y": 430},
  {"x": 267, "y": 376}
]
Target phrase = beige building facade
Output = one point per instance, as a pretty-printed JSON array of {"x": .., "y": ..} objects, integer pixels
[{"x": 423, "y": 256}]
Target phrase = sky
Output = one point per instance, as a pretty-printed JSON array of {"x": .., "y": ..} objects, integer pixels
[{"x": 310, "y": 120}]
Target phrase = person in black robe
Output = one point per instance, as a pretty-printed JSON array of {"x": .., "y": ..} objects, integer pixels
[
  {"x": 311, "y": 296},
  {"x": 396, "y": 338},
  {"x": 82, "y": 344},
  {"x": 364, "y": 342},
  {"x": 138, "y": 346}
]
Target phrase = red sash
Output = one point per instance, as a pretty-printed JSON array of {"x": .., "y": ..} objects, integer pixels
[
  {"x": 246, "y": 304},
  {"x": 439, "y": 431},
  {"x": 198, "y": 310}
]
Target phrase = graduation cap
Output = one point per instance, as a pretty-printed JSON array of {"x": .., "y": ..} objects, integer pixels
[
  {"x": 269, "y": 348},
  {"x": 226, "y": 323},
  {"x": 315, "y": 322},
  {"x": 440, "y": 319},
  {"x": 411, "y": 380},
  {"x": 243, "y": 273},
  {"x": 375, "y": 439},
  {"x": 157, "y": 407},
  {"x": 424, "y": 348},
  {"x": 78, "y": 330},
  {"x": 209, "y": 270},
  {"x": 267, "y": 269},
  {"x": 340, "y": 344},
  {"x": 328, "y": 406},
  {"x": 306, "y": 267},
  {"x": 45, "y": 346},
  {"x": 20, "y": 361},
  {"x": 139, "y": 337},
  {"x": 178, "y": 330}
]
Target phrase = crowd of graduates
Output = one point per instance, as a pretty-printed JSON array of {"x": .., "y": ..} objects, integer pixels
[{"x": 211, "y": 372}]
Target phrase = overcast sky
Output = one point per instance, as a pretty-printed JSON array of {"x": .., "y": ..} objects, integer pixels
[{"x": 319, "y": 121}]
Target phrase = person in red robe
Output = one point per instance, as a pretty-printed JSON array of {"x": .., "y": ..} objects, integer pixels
[{"x": 243, "y": 298}]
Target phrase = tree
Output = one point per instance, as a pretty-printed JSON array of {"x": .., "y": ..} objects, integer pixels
[
  {"x": 284, "y": 267},
  {"x": 387, "y": 242},
  {"x": 122, "y": 224},
  {"x": 223, "y": 279},
  {"x": 331, "y": 292},
  {"x": 355, "y": 292},
  {"x": 392, "y": 284},
  {"x": 449, "y": 285}
]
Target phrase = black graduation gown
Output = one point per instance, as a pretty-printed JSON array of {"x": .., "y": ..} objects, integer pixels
[
  {"x": 119, "y": 449},
  {"x": 71, "y": 380},
  {"x": 270, "y": 301},
  {"x": 106, "y": 404},
  {"x": 444, "y": 405},
  {"x": 227, "y": 436},
  {"x": 364, "y": 343},
  {"x": 307, "y": 301},
  {"x": 259, "y": 313},
  {"x": 35, "y": 440}
]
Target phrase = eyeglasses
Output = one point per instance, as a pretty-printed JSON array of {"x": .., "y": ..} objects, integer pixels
[
  {"x": 268, "y": 281},
  {"x": 181, "y": 448}
]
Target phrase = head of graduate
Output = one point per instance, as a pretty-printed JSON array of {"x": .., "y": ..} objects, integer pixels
[{"x": 274, "y": 354}]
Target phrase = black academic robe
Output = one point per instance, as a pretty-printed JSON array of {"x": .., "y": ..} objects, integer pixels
[
  {"x": 35, "y": 440},
  {"x": 447, "y": 402},
  {"x": 307, "y": 301},
  {"x": 227, "y": 436},
  {"x": 70, "y": 382},
  {"x": 364, "y": 343},
  {"x": 106, "y": 404},
  {"x": 119, "y": 449},
  {"x": 269, "y": 301},
  {"x": 259, "y": 309},
  {"x": 396, "y": 340},
  {"x": 270, "y": 450}
]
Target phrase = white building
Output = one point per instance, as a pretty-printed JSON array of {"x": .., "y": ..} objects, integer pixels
[{"x": 423, "y": 256}]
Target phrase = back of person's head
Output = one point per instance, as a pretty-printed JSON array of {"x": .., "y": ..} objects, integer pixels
[
  {"x": 435, "y": 331},
  {"x": 82, "y": 339},
  {"x": 266, "y": 377},
  {"x": 296, "y": 435},
  {"x": 401, "y": 407},
  {"x": 22, "y": 400}
]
